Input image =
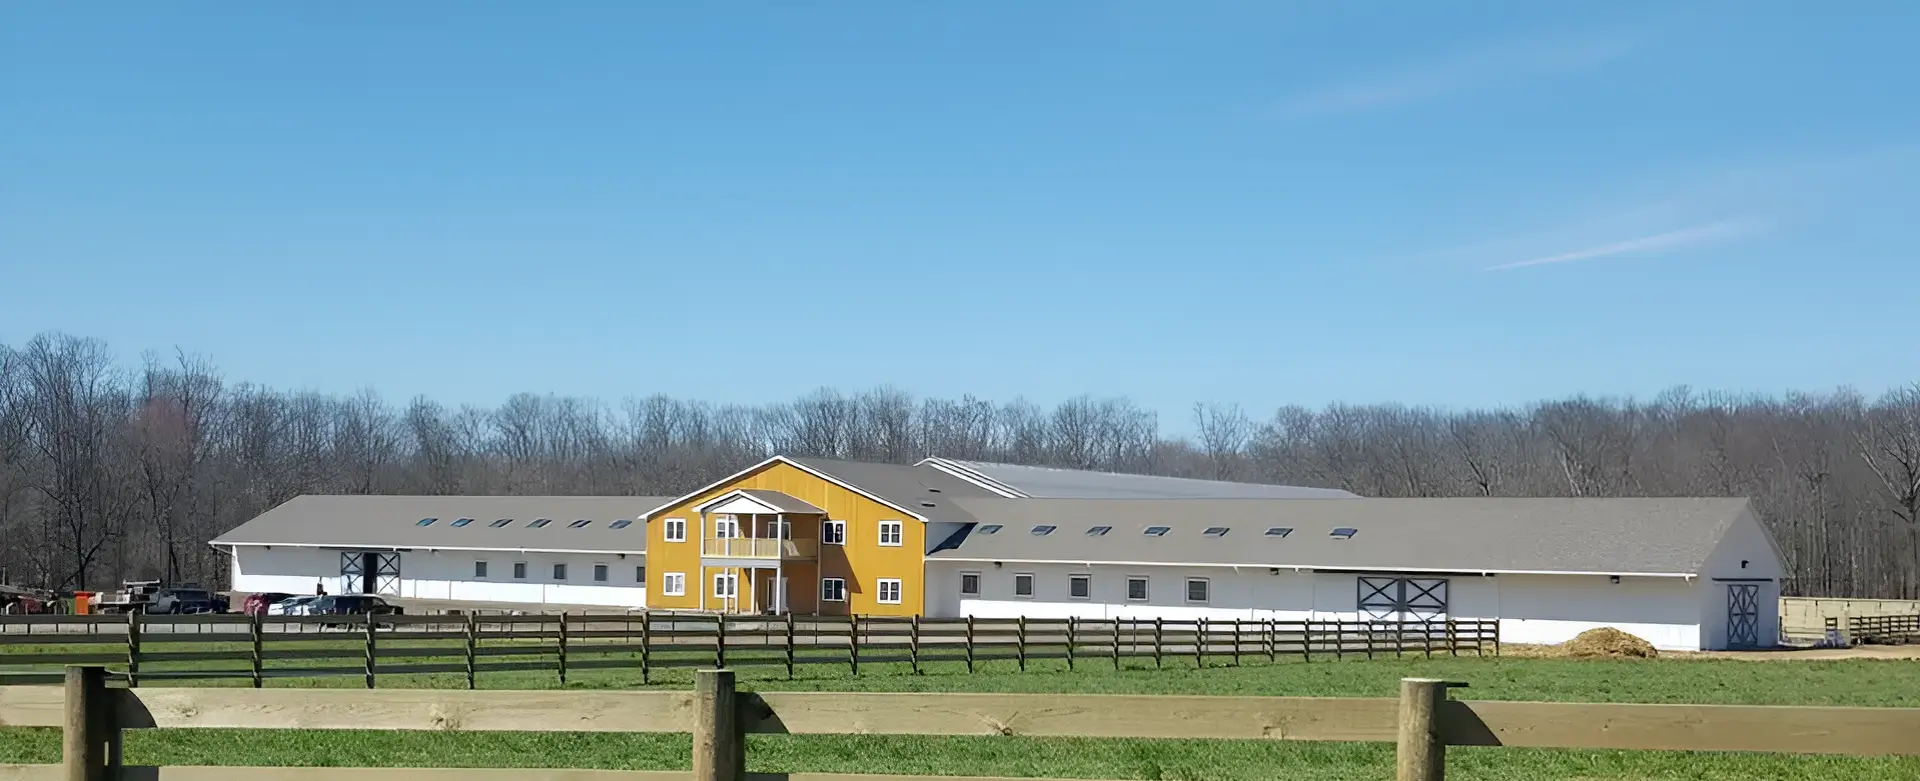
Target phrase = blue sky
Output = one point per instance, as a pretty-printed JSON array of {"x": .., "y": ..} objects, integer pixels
[{"x": 1258, "y": 202}]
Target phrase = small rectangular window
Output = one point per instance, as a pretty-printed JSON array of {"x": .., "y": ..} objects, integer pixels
[
  {"x": 1080, "y": 586},
  {"x": 1343, "y": 533},
  {"x": 539, "y": 523},
  {"x": 833, "y": 590},
  {"x": 519, "y": 570},
  {"x": 1137, "y": 588},
  {"x": 480, "y": 570},
  {"x": 579, "y": 524},
  {"x": 675, "y": 529},
  {"x": 969, "y": 584},
  {"x": 599, "y": 573},
  {"x": 1279, "y": 531},
  {"x": 889, "y": 591},
  {"x": 499, "y": 523},
  {"x": 459, "y": 522},
  {"x": 640, "y": 574},
  {"x": 425, "y": 521},
  {"x": 891, "y": 533},
  {"x": 726, "y": 586},
  {"x": 1023, "y": 584},
  {"x": 1099, "y": 531},
  {"x": 991, "y": 528},
  {"x": 1215, "y": 531},
  {"x": 559, "y": 572},
  {"x": 674, "y": 584},
  {"x": 833, "y": 532},
  {"x": 1197, "y": 590},
  {"x": 620, "y": 524},
  {"x": 1158, "y": 531}
]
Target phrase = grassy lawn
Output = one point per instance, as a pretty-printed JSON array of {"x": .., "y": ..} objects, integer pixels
[{"x": 1877, "y": 683}]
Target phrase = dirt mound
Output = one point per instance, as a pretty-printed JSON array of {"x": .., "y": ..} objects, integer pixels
[{"x": 1607, "y": 643}]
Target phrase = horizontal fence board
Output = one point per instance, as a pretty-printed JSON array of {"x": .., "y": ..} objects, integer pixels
[
  {"x": 403, "y": 709},
  {"x": 1785, "y": 729},
  {"x": 210, "y": 773},
  {"x": 1085, "y": 715}
]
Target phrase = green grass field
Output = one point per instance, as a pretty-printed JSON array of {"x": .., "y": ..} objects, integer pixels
[{"x": 1875, "y": 683}]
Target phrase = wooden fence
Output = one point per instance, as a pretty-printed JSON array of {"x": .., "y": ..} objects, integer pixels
[
  {"x": 256, "y": 649},
  {"x": 1883, "y": 629},
  {"x": 1423, "y": 721}
]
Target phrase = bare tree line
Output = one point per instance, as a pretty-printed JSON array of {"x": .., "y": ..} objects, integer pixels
[{"x": 109, "y": 472}]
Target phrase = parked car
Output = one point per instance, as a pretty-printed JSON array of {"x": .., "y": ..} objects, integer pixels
[
  {"x": 292, "y": 606},
  {"x": 174, "y": 601},
  {"x": 258, "y": 604},
  {"x": 351, "y": 605}
]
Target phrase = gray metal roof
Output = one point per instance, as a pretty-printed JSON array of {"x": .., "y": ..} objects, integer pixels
[
  {"x": 779, "y": 501},
  {"x": 1616, "y": 536},
  {"x": 920, "y": 489},
  {"x": 1049, "y": 483},
  {"x": 394, "y": 521}
]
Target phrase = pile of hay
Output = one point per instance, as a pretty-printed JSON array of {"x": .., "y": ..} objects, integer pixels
[{"x": 1607, "y": 643}]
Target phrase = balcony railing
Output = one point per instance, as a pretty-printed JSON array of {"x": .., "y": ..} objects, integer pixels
[{"x": 753, "y": 548}]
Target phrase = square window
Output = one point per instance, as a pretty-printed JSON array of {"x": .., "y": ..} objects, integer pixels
[
  {"x": 833, "y": 532},
  {"x": 1343, "y": 533},
  {"x": 675, "y": 529},
  {"x": 726, "y": 527},
  {"x": 520, "y": 570},
  {"x": 1279, "y": 531},
  {"x": 674, "y": 584},
  {"x": 833, "y": 590},
  {"x": 1158, "y": 531},
  {"x": 1043, "y": 530},
  {"x": 480, "y": 569},
  {"x": 559, "y": 572},
  {"x": 640, "y": 574},
  {"x": 726, "y": 586},
  {"x": 1137, "y": 588},
  {"x": 1023, "y": 584},
  {"x": 1080, "y": 586},
  {"x": 1215, "y": 531},
  {"x": 599, "y": 573},
  {"x": 1197, "y": 590},
  {"x": 891, "y": 532},
  {"x": 889, "y": 591},
  {"x": 969, "y": 584}
]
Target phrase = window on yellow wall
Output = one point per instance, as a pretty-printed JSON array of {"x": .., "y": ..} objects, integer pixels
[
  {"x": 833, "y": 533},
  {"x": 674, "y": 584},
  {"x": 889, "y": 591},
  {"x": 676, "y": 529},
  {"x": 891, "y": 532}
]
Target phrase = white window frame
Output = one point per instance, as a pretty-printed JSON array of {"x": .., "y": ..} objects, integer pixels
[
  {"x": 726, "y": 527},
  {"x": 823, "y": 590},
  {"x": 1146, "y": 590},
  {"x": 977, "y": 582},
  {"x": 732, "y": 581},
  {"x": 1032, "y": 586},
  {"x": 1083, "y": 577},
  {"x": 673, "y": 584},
  {"x": 1205, "y": 582},
  {"x": 899, "y": 533},
  {"x": 673, "y": 525},
  {"x": 519, "y": 570},
  {"x": 840, "y": 532},
  {"x": 602, "y": 573},
  {"x": 482, "y": 570},
  {"x": 880, "y": 588},
  {"x": 559, "y": 572}
]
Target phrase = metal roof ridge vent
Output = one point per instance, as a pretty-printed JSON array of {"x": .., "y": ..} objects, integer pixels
[{"x": 975, "y": 477}]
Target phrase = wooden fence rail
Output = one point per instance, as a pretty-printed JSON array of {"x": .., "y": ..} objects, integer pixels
[
  {"x": 255, "y": 649},
  {"x": 1884, "y": 629},
  {"x": 1423, "y": 721}
]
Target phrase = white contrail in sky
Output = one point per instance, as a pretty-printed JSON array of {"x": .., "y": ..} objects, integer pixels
[{"x": 1710, "y": 233}]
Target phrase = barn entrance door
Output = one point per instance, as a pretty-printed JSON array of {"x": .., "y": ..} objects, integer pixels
[
  {"x": 386, "y": 574},
  {"x": 1403, "y": 599},
  {"x": 1743, "y": 615},
  {"x": 353, "y": 572}
]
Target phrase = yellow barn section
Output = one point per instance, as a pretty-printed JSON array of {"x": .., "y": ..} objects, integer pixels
[{"x": 862, "y": 562}]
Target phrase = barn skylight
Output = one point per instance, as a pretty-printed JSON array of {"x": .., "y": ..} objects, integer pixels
[
  {"x": 539, "y": 523},
  {"x": 1098, "y": 531},
  {"x": 1279, "y": 531},
  {"x": 990, "y": 528},
  {"x": 502, "y": 522},
  {"x": 620, "y": 524},
  {"x": 1215, "y": 531},
  {"x": 1344, "y": 533},
  {"x": 579, "y": 524},
  {"x": 458, "y": 522},
  {"x": 1158, "y": 531},
  {"x": 426, "y": 521},
  {"x": 1043, "y": 530}
]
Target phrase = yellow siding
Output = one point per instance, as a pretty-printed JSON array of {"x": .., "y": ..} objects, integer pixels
[{"x": 862, "y": 561}]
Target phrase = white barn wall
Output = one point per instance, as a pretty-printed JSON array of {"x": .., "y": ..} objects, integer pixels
[
  {"x": 1745, "y": 554},
  {"x": 1541, "y": 609},
  {"x": 449, "y": 575}
]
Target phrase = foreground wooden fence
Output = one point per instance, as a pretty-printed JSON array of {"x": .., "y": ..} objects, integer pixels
[
  {"x": 255, "y": 649},
  {"x": 1423, "y": 721}
]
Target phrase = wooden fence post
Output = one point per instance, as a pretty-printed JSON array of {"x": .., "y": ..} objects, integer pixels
[
  {"x": 970, "y": 643},
  {"x": 562, "y": 650},
  {"x": 90, "y": 725},
  {"x": 646, "y": 643},
  {"x": 853, "y": 642},
  {"x": 1422, "y": 751},
  {"x": 370, "y": 650},
  {"x": 789, "y": 645},
  {"x": 1199, "y": 643},
  {"x": 719, "y": 748},
  {"x": 1426, "y": 638},
  {"x": 1020, "y": 641},
  {"x": 720, "y": 642},
  {"x": 1116, "y": 644},
  {"x": 1157, "y": 626},
  {"x": 258, "y": 637},
  {"x": 1073, "y": 624},
  {"x": 913, "y": 643},
  {"x": 133, "y": 649},
  {"x": 473, "y": 641}
]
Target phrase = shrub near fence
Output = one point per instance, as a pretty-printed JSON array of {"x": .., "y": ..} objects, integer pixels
[
  {"x": 255, "y": 649},
  {"x": 1423, "y": 721}
]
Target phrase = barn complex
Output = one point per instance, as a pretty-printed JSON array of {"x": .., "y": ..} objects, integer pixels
[{"x": 952, "y": 538}]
